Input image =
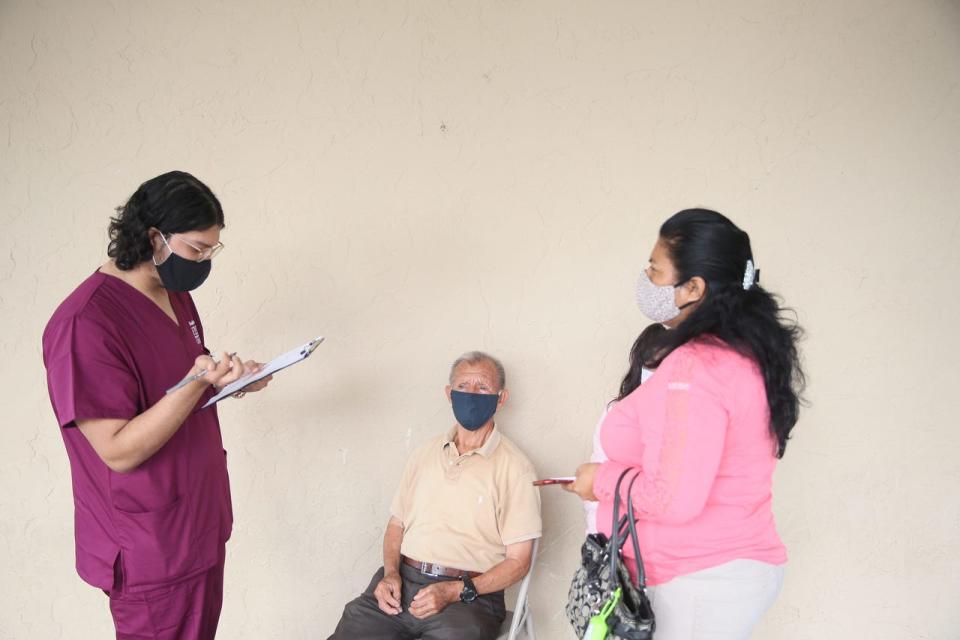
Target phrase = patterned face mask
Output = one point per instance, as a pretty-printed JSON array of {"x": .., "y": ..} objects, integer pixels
[{"x": 657, "y": 302}]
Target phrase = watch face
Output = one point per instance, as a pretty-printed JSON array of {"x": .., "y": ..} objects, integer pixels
[{"x": 469, "y": 593}]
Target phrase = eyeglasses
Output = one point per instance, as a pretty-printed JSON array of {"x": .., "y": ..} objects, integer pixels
[{"x": 201, "y": 253}]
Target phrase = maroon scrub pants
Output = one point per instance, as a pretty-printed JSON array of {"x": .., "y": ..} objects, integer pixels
[{"x": 186, "y": 610}]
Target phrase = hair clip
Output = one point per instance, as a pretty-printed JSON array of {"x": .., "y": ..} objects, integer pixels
[{"x": 750, "y": 276}]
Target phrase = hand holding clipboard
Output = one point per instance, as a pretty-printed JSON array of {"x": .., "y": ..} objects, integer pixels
[{"x": 279, "y": 363}]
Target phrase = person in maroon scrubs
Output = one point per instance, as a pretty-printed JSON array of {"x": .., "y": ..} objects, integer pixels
[{"x": 151, "y": 492}]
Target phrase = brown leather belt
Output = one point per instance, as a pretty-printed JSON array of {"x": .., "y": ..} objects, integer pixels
[{"x": 437, "y": 571}]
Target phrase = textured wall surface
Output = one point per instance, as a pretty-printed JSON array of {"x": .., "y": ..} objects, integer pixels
[{"x": 414, "y": 179}]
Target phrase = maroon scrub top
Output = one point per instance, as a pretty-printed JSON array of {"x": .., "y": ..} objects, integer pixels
[{"x": 111, "y": 352}]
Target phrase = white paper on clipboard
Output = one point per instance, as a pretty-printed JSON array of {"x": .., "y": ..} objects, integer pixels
[{"x": 288, "y": 359}]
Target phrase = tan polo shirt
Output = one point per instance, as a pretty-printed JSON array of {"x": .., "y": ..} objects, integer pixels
[{"x": 461, "y": 511}]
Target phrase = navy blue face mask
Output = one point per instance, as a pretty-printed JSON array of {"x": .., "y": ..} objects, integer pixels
[{"x": 473, "y": 410}]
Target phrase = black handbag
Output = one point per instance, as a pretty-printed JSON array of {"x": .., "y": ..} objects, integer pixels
[{"x": 603, "y": 601}]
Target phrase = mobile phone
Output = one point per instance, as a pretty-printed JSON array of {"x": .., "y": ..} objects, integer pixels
[{"x": 546, "y": 481}]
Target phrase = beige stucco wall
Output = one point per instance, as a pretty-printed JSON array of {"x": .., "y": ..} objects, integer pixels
[{"x": 413, "y": 179}]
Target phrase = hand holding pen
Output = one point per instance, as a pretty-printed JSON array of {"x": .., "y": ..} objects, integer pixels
[{"x": 210, "y": 371}]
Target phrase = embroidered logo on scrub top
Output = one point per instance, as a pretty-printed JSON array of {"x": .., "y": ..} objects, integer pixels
[{"x": 196, "y": 332}]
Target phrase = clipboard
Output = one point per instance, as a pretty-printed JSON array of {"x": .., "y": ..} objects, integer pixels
[{"x": 279, "y": 363}]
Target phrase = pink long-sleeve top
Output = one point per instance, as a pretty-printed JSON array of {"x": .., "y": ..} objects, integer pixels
[{"x": 698, "y": 434}]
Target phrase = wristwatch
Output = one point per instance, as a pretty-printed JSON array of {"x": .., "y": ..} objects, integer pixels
[{"x": 469, "y": 593}]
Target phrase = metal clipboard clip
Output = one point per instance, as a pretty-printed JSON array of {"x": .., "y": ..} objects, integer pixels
[{"x": 310, "y": 347}]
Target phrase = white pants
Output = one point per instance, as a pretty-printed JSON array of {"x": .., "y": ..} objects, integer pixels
[{"x": 720, "y": 603}]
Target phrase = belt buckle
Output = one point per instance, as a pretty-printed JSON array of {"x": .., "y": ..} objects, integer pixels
[{"x": 432, "y": 570}]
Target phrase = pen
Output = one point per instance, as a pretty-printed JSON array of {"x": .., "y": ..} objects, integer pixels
[{"x": 190, "y": 379}]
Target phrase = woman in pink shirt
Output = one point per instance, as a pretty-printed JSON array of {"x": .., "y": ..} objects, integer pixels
[{"x": 703, "y": 432}]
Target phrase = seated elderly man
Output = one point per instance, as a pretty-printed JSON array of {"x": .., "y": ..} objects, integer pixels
[{"x": 461, "y": 529}]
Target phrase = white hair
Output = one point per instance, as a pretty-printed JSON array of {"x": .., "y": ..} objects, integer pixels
[{"x": 473, "y": 357}]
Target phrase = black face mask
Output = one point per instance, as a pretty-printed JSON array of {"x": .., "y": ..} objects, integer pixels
[
  {"x": 180, "y": 274},
  {"x": 473, "y": 410}
]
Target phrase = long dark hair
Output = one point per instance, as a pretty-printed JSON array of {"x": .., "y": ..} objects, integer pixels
[
  {"x": 173, "y": 202},
  {"x": 752, "y": 322}
]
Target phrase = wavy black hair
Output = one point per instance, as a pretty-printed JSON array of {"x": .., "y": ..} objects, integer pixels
[
  {"x": 752, "y": 322},
  {"x": 174, "y": 202}
]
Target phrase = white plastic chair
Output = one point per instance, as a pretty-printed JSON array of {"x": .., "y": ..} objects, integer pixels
[{"x": 519, "y": 621}]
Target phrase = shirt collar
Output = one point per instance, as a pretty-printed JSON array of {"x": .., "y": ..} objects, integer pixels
[{"x": 493, "y": 440}]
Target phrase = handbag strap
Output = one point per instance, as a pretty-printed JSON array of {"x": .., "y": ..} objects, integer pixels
[
  {"x": 634, "y": 538},
  {"x": 623, "y": 529},
  {"x": 618, "y": 537},
  {"x": 616, "y": 541},
  {"x": 618, "y": 522}
]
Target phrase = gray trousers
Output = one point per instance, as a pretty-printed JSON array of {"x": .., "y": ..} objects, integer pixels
[
  {"x": 362, "y": 617},
  {"x": 720, "y": 603}
]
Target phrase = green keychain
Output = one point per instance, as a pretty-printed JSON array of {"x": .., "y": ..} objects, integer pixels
[{"x": 598, "y": 629}]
